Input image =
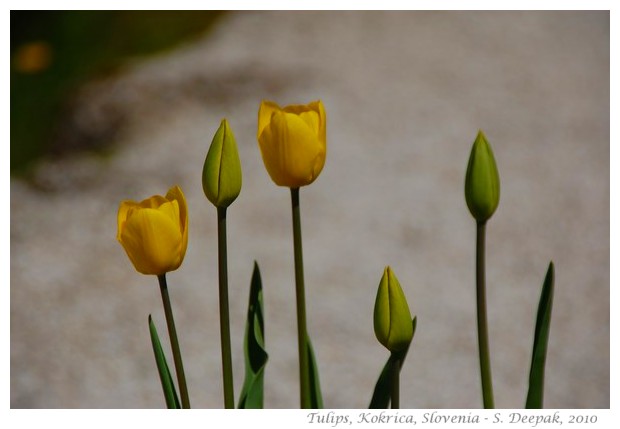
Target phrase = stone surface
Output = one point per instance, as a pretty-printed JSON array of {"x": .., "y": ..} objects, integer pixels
[{"x": 405, "y": 94}]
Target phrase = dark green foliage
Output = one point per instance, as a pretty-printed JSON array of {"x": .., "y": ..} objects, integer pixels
[
  {"x": 541, "y": 338},
  {"x": 254, "y": 347},
  {"x": 167, "y": 384}
]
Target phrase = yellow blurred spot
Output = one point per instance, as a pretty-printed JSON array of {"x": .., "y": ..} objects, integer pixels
[{"x": 33, "y": 57}]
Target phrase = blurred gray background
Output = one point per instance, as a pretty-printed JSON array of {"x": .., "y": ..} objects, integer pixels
[{"x": 405, "y": 95}]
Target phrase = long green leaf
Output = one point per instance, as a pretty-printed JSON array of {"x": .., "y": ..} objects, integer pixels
[
  {"x": 315, "y": 396},
  {"x": 382, "y": 393},
  {"x": 254, "y": 347},
  {"x": 167, "y": 384},
  {"x": 541, "y": 338}
]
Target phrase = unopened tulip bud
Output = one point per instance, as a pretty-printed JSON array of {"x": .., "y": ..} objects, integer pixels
[
  {"x": 481, "y": 180},
  {"x": 221, "y": 174},
  {"x": 392, "y": 317}
]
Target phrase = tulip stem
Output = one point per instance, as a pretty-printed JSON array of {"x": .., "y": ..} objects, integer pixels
[
  {"x": 174, "y": 342},
  {"x": 304, "y": 372},
  {"x": 483, "y": 336},
  {"x": 395, "y": 395},
  {"x": 229, "y": 399}
]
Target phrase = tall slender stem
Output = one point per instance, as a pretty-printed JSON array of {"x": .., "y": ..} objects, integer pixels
[
  {"x": 229, "y": 396},
  {"x": 174, "y": 342},
  {"x": 395, "y": 396},
  {"x": 304, "y": 371},
  {"x": 483, "y": 336}
]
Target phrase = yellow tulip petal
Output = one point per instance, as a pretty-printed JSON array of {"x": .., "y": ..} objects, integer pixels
[
  {"x": 298, "y": 109},
  {"x": 121, "y": 217},
  {"x": 315, "y": 107},
  {"x": 311, "y": 118},
  {"x": 322, "y": 122},
  {"x": 318, "y": 122},
  {"x": 152, "y": 240},
  {"x": 305, "y": 153},
  {"x": 171, "y": 209},
  {"x": 152, "y": 202},
  {"x": 265, "y": 112},
  {"x": 125, "y": 206},
  {"x": 176, "y": 194}
]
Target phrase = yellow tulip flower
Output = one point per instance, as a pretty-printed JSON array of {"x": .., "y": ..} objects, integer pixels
[
  {"x": 292, "y": 141},
  {"x": 153, "y": 232}
]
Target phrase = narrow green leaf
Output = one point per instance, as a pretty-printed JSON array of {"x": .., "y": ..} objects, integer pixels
[
  {"x": 167, "y": 384},
  {"x": 254, "y": 347},
  {"x": 541, "y": 338},
  {"x": 383, "y": 389},
  {"x": 315, "y": 396}
]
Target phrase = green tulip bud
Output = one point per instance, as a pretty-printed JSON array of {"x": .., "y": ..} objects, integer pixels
[
  {"x": 392, "y": 318},
  {"x": 221, "y": 174},
  {"x": 481, "y": 180}
]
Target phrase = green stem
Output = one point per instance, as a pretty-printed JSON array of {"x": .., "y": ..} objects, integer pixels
[
  {"x": 304, "y": 374},
  {"x": 395, "y": 396},
  {"x": 483, "y": 335},
  {"x": 174, "y": 342},
  {"x": 229, "y": 396}
]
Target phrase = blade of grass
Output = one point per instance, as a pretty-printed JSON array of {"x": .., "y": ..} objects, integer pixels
[
  {"x": 254, "y": 347},
  {"x": 167, "y": 384},
  {"x": 541, "y": 338},
  {"x": 383, "y": 388},
  {"x": 314, "y": 395}
]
